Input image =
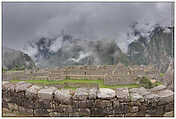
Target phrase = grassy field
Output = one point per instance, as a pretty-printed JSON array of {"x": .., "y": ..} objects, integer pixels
[{"x": 99, "y": 82}]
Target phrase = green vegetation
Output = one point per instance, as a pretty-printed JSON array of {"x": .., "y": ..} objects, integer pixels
[
  {"x": 161, "y": 74},
  {"x": 99, "y": 82},
  {"x": 146, "y": 83}
]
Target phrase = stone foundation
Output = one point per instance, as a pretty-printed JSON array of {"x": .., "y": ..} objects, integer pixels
[{"x": 83, "y": 102}]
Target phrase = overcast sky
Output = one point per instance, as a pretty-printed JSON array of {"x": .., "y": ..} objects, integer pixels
[{"x": 28, "y": 21}]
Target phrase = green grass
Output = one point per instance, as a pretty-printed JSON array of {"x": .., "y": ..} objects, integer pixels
[
  {"x": 161, "y": 74},
  {"x": 99, "y": 82}
]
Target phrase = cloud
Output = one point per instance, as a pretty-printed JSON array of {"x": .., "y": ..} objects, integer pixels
[{"x": 27, "y": 21}]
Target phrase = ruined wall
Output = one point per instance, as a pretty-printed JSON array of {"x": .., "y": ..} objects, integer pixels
[{"x": 49, "y": 101}]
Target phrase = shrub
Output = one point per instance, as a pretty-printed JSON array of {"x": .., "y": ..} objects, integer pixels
[{"x": 146, "y": 83}]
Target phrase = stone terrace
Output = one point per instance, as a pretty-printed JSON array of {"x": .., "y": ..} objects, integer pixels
[
  {"x": 122, "y": 102},
  {"x": 111, "y": 74}
]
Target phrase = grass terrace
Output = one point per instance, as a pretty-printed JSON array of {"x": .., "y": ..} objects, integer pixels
[{"x": 76, "y": 81}]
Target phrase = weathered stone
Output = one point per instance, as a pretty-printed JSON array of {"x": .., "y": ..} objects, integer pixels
[
  {"x": 134, "y": 109},
  {"x": 65, "y": 108},
  {"x": 122, "y": 108},
  {"x": 169, "y": 114},
  {"x": 63, "y": 96},
  {"x": 136, "y": 97},
  {"x": 93, "y": 93},
  {"x": 41, "y": 112},
  {"x": 81, "y": 94},
  {"x": 152, "y": 97},
  {"x": 165, "y": 96},
  {"x": 5, "y": 83},
  {"x": 10, "y": 87},
  {"x": 25, "y": 110},
  {"x": 12, "y": 106},
  {"x": 169, "y": 107},
  {"x": 158, "y": 88},
  {"x": 46, "y": 94},
  {"x": 105, "y": 93},
  {"x": 32, "y": 91},
  {"x": 142, "y": 91},
  {"x": 147, "y": 115},
  {"x": 108, "y": 110},
  {"x": 97, "y": 112},
  {"x": 156, "y": 111},
  {"x": 20, "y": 82},
  {"x": 103, "y": 103},
  {"x": 84, "y": 112},
  {"x": 122, "y": 93},
  {"x": 23, "y": 86}
]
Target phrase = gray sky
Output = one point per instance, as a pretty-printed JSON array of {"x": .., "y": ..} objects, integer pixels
[{"x": 28, "y": 21}]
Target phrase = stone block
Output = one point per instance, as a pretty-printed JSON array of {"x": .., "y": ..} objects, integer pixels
[
  {"x": 165, "y": 96},
  {"x": 93, "y": 93},
  {"x": 142, "y": 91},
  {"x": 122, "y": 93},
  {"x": 81, "y": 94},
  {"x": 46, "y": 93},
  {"x": 84, "y": 112},
  {"x": 25, "y": 110},
  {"x": 5, "y": 83},
  {"x": 158, "y": 88},
  {"x": 169, "y": 107},
  {"x": 103, "y": 103},
  {"x": 136, "y": 97},
  {"x": 13, "y": 107},
  {"x": 169, "y": 114},
  {"x": 41, "y": 113},
  {"x": 10, "y": 87},
  {"x": 97, "y": 112},
  {"x": 64, "y": 109},
  {"x": 105, "y": 93},
  {"x": 122, "y": 108},
  {"x": 63, "y": 96},
  {"x": 22, "y": 86},
  {"x": 44, "y": 104},
  {"x": 32, "y": 91},
  {"x": 134, "y": 109}
]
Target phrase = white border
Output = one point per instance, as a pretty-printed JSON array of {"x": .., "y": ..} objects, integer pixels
[{"x": 82, "y": 1}]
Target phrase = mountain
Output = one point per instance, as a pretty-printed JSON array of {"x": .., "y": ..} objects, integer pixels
[
  {"x": 148, "y": 44},
  {"x": 158, "y": 50},
  {"x": 13, "y": 59},
  {"x": 66, "y": 50}
]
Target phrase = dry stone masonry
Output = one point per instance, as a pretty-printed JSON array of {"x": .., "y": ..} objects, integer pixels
[
  {"x": 87, "y": 102},
  {"x": 111, "y": 74}
]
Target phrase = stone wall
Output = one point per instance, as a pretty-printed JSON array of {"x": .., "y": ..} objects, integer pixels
[{"x": 122, "y": 102}]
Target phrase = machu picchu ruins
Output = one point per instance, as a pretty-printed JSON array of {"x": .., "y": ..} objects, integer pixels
[{"x": 88, "y": 59}]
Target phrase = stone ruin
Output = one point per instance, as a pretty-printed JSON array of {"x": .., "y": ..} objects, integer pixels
[
  {"x": 39, "y": 101},
  {"x": 111, "y": 74}
]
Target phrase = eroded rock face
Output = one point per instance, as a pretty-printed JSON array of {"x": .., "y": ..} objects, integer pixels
[
  {"x": 46, "y": 94},
  {"x": 105, "y": 93}
]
